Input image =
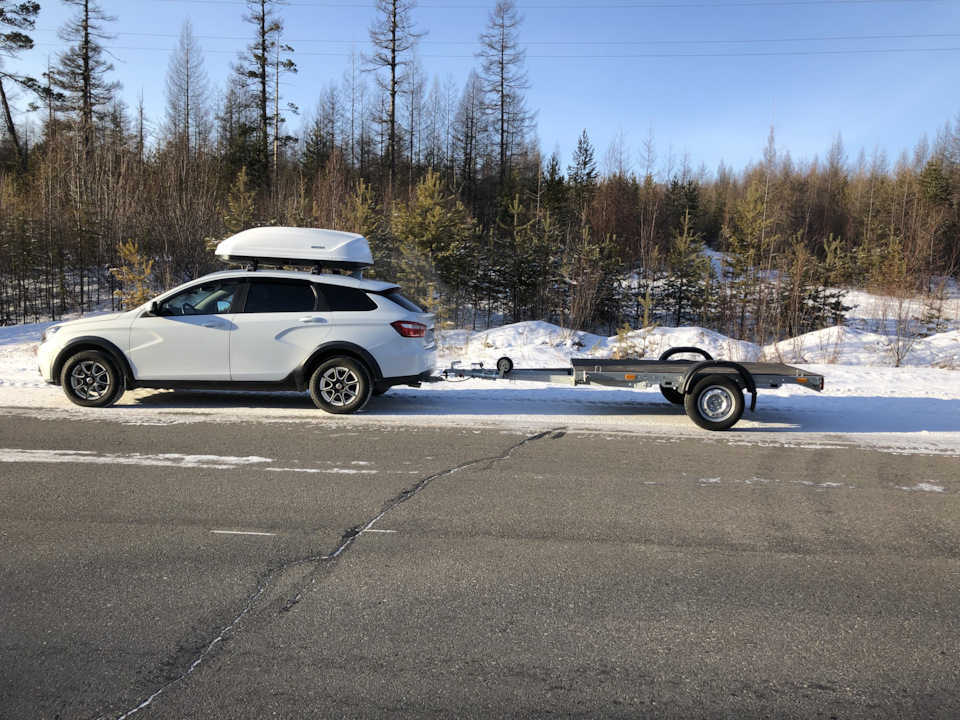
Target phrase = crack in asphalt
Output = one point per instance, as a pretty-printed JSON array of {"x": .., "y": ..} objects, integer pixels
[{"x": 346, "y": 540}]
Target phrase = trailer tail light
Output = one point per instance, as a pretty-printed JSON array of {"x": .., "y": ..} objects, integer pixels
[{"x": 409, "y": 329}]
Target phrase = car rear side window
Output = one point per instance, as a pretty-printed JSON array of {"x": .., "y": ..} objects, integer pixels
[
  {"x": 347, "y": 299},
  {"x": 268, "y": 296}
]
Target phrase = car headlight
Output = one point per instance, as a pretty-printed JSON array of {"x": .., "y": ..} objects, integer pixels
[{"x": 49, "y": 332}]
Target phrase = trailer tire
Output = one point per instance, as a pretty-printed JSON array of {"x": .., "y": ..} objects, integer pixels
[
  {"x": 672, "y": 394},
  {"x": 716, "y": 402}
]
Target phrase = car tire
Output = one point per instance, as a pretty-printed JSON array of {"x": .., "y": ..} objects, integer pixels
[
  {"x": 91, "y": 378},
  {"x": 716, "y": 403},
  {"x": 340, "y": 385}
]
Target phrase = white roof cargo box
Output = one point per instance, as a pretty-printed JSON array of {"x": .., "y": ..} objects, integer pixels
[{"x": 297, "y": 246}]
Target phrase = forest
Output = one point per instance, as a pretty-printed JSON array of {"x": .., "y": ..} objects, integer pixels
[{"x": 101, "y": 207}]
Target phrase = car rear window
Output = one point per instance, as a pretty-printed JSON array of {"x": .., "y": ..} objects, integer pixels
[{"x": 347, "y": 299}]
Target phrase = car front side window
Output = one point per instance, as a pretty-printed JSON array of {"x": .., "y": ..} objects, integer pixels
[{"x": 211, "y": 298}]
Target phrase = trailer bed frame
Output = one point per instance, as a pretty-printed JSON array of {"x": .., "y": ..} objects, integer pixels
[{"x": 710, "y": 390}]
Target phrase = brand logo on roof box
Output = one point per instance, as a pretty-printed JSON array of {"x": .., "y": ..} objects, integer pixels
[{"x": 318, "y": 247}]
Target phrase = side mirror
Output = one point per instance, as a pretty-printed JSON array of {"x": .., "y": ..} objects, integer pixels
[{"x": 153, "y": 310}]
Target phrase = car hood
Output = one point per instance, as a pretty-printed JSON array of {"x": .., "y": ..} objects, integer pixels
[{"x": 96, "y": 319}]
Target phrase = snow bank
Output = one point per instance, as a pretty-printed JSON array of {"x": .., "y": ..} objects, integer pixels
[{"x": 866, "y": 402}]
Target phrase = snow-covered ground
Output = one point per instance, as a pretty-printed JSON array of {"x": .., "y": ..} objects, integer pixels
[{"x": 867, "y": 402}]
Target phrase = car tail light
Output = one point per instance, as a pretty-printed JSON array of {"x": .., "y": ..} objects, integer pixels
[{"x": 409, "y": 329}]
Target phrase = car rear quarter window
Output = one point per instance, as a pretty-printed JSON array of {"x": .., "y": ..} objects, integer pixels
[
  {"x": 266, "y": 296},
  {"x": 404, "y": 302},
  {"x": 340, "y": 298}
]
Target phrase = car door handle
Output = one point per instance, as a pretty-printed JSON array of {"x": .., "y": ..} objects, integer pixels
[
  {"x": 313, "y": 320},
  {"x": 214, "y": 324}
]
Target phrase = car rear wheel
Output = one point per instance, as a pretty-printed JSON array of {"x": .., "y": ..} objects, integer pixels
[
  {"x": 92, "y": 379},
  {"x": 340, "y": 385}
]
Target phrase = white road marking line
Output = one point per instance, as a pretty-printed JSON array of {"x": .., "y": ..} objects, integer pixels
[
  {"x": 218, "y": 462},
  {"x": 241, "y": 532},
  {"x": 380, "y": 531},
  {"x": 333, "y": 471}
]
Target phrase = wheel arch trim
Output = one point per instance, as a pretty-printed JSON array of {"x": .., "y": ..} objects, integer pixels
[
  {"x": 333, "y": 349},
  {"x": 92, "y": 342}
]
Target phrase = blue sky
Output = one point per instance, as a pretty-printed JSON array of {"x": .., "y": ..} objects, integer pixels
[{"x": 705, "y": 78}]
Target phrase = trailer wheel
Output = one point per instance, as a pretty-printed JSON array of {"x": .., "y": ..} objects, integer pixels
[
  {"x": 504, "y": 365},
  {"x": 672, "y": 394},
  {"x": 716, "y": 403}
]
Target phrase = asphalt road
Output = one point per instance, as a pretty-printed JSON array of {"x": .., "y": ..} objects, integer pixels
[{"x": 327, "y": 568}]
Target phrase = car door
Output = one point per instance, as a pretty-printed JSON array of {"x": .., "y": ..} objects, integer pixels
[
  {"x": 186, "y": 337},
  {"x": 281, "y": 323}
]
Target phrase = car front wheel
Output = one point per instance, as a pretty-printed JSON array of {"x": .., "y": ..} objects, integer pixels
[
  {"x": 92, "y": 379},
  {"x": 340, "y": 385}
]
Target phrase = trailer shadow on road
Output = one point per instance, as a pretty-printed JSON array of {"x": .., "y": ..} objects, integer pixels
[{"x": 794, "y": 413}]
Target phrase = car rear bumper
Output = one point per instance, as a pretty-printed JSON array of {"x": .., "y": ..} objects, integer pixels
[{"x": 412, "y": 380}]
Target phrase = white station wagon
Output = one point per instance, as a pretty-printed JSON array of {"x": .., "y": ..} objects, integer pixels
[{"x": 342, "y": 337}]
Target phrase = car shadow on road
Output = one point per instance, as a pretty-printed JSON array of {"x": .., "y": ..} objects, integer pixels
[{"x": 217, "y": 399}]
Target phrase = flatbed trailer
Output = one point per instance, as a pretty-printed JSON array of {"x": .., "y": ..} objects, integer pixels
[{"x": 711, "y": 391}]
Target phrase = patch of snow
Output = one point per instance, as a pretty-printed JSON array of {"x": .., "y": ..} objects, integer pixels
[
  {"x": 866, "y": 402},
  {"x": 924, "y": 487}
]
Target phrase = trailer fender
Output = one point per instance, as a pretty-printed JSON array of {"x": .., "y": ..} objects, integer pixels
[
  {"x": 681, "y": 350},
  {"x": 690, "y": 377}
]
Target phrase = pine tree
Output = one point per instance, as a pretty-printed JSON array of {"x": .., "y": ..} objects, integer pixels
[
  {"x": 20, "y": 16},
  {"x": 393, "y": 36},
  {"x": 438, "y": 242},
  {"x": 554, "y": 196},
  {"x": 188, "y": 94},
  {"x": 689, "y": 271},
  {"x": 241, "y": 209},
  {"x": 749, "y": 243},
  {"x": 504, "y": 80},
  {"x": 469, "y": 129},
  {"x": 133, "y": 276},
  {"x": 363, "y": 215},
  {"x": 82, "y": 69},
  {"x": 258, "y": 70},
  {"x": 582, "y": 176}
]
